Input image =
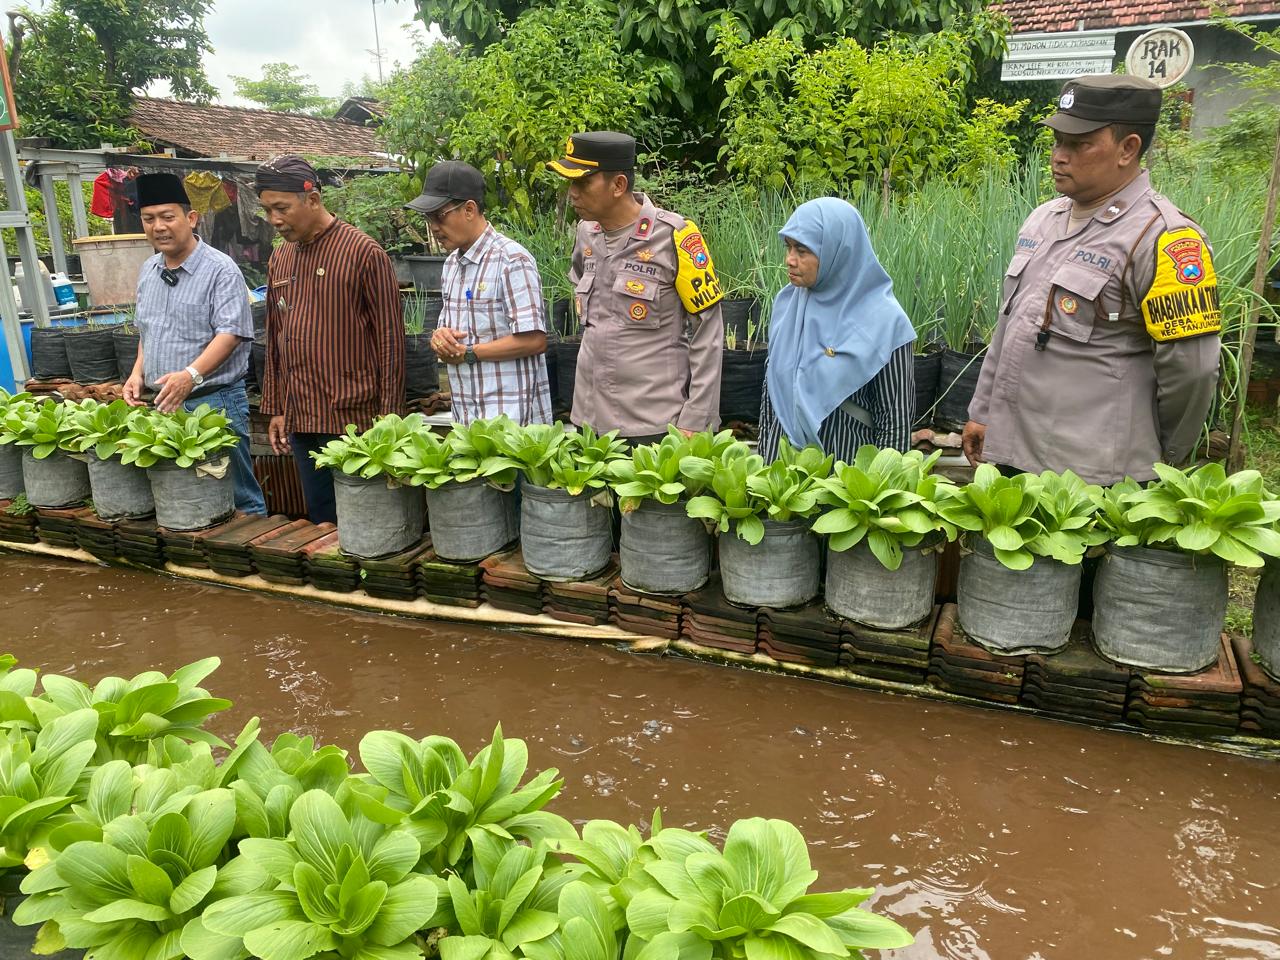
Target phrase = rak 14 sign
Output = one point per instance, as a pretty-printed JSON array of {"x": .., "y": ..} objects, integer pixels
[{"x": 1163, "y": 55}]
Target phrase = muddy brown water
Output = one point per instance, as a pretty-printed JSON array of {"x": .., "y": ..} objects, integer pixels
[{"x": 989, "y": 835}]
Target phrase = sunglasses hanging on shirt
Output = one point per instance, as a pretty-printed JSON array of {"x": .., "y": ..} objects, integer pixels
[{"x": 170, "y": 277}]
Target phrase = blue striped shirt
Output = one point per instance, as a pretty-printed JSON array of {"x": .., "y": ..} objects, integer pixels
[{"x": 176, "y": 323}]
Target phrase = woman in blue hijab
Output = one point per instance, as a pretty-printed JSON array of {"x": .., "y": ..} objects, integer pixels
[{"x": 840, "y": 370}]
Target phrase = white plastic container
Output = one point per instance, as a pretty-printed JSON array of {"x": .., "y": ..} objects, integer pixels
[{"x": 63, "y": 291}]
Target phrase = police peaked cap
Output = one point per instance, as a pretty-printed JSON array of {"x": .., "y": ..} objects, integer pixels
[{"x": 588, "y": 152}]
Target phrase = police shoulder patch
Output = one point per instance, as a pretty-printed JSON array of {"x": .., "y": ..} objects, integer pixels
[
  {"x": 1183, "y": 299},
  {"x": 696, "y": 280}
]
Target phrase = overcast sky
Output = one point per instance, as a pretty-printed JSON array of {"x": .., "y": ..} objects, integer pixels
[{"x": 330, "y": 40}]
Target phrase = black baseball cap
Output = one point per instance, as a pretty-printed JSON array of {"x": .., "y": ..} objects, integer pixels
[
  {"x": 600, "y": 150},
  {"x": 449, "y": 180},
  {"x": 1092, "y": 102}
]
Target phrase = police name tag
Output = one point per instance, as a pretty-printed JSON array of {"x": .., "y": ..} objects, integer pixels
[{"x": 1183, "y": 299}]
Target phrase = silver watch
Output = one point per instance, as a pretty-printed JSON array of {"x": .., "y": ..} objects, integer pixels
[{"x": 196, "y": 377}]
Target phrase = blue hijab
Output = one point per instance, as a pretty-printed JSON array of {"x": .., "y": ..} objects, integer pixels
[{"x": 828, "y": 341}]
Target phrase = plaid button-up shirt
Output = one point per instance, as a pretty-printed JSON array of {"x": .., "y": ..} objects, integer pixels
[
  {"x": 177, "y": 322},
  {"x": 492, "y": 290}
]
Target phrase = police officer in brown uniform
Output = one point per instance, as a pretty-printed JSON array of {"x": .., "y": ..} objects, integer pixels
[
  {"x": 646, "y": 292},
  {"x": 1105, "y": 358}
]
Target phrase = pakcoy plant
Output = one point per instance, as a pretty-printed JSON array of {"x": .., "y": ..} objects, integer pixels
[
  {"x": 583, "y": 463},
  {"x": 42, "y": 427},
  {"x": 449, "y": 804},
  {"x": 885, "y": 498},
  {"x": 510, "y": 905},
  {"x": 186, "y": 438},
  {"x": 654, "y": 471},
  {"x": 131, "y": 713},
  {"x": 373, "y": 452},
  {"x": 340, "y": 884},
  {"x": 1027, "y": 515},
  {"x": 103, "y": 427},
  {"x": 137, "y": 890},
  {"x": 1204, "y": 510},
  {"x": 751, "y": 900},
  {"x": 12, "y": 403},
  {"x": 744, "y": 492},
  {"x": 39, "y": 778},
  {"x": 478, "y": 452}
]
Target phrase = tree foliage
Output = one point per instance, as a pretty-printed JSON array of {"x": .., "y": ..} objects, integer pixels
[
  {"x": 508, "y": 110},
  {"x": 845, "y": 113},
  {"x": 82, "y": 60},
  {"x": 675, "y": 37},
  {"x": 283, "y": 87}
]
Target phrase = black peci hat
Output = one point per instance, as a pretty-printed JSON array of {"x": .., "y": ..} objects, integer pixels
[
  {"x": 1093, "y": 102},
  {"x": 589, "y": 152},
  {"x": 449, "y": 180},
  {"x": 158, "y": 189}
]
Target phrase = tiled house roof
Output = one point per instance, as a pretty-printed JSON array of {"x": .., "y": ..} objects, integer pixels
[
  {"x": 1035, "y": 16},
  {"x": 210, "y": 130}
]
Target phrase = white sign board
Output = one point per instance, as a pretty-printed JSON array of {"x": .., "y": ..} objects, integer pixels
[
  {"x": 1163, "y": 55},
  {"x": 1058, "y": 56}
]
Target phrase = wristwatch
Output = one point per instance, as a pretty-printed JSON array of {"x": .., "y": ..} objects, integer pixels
[
  {"x": 470, "y": 356},
  {"x": 196, "y": 377}
]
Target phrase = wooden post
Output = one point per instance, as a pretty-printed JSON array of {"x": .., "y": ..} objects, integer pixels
[{"x": 1235, "y": 453}]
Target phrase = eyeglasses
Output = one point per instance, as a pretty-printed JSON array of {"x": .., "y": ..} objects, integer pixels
[{"x": 437, "y": 216}]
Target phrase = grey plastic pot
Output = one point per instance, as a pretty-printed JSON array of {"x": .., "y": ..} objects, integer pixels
[
  {"x": 1266, "y": 619},
  {"x": 859, "y": 587},
  {"x": 470, "y": 521},
  {"x": 663, "y": 550},
  {"x": 189, "y": 499},
  {"x": 562, "y": 536},
  {"x": 56, "y": 481},
  {"x": 10, "y": 472},
  {"x": 377, "y": 517},
  {"x": 120, "y": 491},
  {"x": 1159, "y": 609},
  {"x": 779, "y": 571},
  {"x": 1016, "y": 611}
]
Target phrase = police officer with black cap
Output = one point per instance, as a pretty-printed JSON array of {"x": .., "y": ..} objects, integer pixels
[
  {"x": 646, "y": 292},
  {"x": 1105, "y": 357}
]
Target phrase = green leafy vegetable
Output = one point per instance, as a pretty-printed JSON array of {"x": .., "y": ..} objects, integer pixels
[
  {"x": 374, "y": 452},
  {"x": 1199, "y": 511},
  {"x": 887, "y": 498},
  {"x": 184, "y": 437},
  {"x": 1026, "y": 516}
]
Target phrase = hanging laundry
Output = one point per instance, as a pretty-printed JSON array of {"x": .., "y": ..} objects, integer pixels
[
  {"x": 103, "y": 203},
  {"x": 204, "y": 189}
]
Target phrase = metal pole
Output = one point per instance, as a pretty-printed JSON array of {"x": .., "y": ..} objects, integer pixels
[
  {"x": 53, "y": 222},
  {"x": 79, "y": 217},
  {"x": 377, "y": 44},
  {"x": 15, "y": 187},
  {"x": 1235, "y": 453},
  {"x": 13, "y": 340}
]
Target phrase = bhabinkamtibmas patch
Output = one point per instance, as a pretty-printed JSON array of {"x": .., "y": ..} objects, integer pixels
[
  {"x": 696, "y": 280},
  {"x": 1183, "y": 299}
]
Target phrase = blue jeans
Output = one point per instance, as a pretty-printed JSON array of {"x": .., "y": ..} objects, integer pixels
[
  {"x": 317, "y": 482},
  {"x": 234, "y": 402}
]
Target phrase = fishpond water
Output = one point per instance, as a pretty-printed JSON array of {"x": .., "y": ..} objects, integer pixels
[{"x": 988, "y": 834}]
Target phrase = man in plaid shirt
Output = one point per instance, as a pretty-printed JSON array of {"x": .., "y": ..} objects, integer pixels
[{"x": 492, "y": 331}]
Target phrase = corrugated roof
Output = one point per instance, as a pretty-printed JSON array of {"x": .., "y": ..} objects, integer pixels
[
  {"x": 210, "y": 130},
  {"x": 1034, "y": 16}
]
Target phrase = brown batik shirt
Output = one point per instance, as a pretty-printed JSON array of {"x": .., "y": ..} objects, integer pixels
[{"x": 335, "y": 333}]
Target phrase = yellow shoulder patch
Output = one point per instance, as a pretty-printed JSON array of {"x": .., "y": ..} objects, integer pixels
[
  {"x": 696, "y": 280},
  {"x": 1183, "y": 299}
]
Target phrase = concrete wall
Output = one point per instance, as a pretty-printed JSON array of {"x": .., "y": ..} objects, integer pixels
[{"x": 1216, "y": 90}]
